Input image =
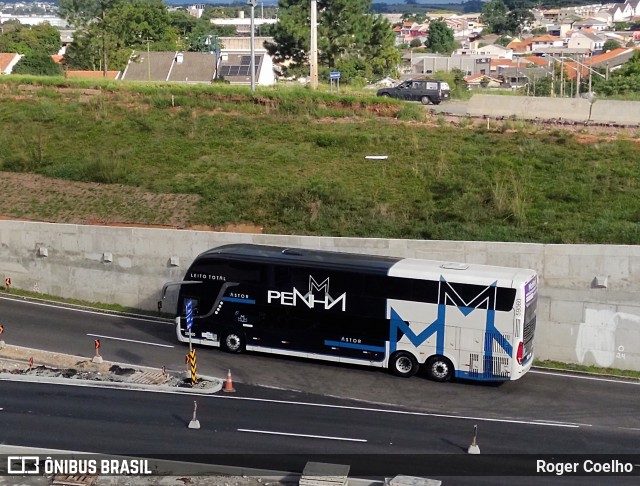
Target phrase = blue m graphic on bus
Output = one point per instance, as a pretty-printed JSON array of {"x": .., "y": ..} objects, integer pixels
[{"x": 448, "y": 297}]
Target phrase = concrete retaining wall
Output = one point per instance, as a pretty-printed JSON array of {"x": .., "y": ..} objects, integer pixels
[
  {"x": 573, "y": 109},
  {"x": 618, "y": 112},
  {"x": 589, "y": 310}
]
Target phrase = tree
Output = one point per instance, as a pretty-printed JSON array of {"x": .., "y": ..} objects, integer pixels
[
  {"x": 440, "y": 38},
  {"x": 37, "y": 64},
  {"x": 415, "y": 43},
  {"x": 346, "y": 29},
  {"x": 90, "y": 14},
  {"x": 113, "y": 28},
  {"x": 494, "y": 15},
  {"x": 610, "y": 45},
  {"x": 25, "y": 39},
  {"x": 518, "y": 19}
]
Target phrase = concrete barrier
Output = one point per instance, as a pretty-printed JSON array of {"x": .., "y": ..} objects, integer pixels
[
  {"x": 579, "y": 110},
  {"x": 618, "y": 112},
  {"x": 529, "y": 107},
  {"x": 588, "y": 310}
]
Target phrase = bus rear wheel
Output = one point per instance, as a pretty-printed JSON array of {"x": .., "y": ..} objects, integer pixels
[
  {"x": 439, "y": 368},
  {"x": 233, "y": 342},
  {"x": 403, "y": 364}
]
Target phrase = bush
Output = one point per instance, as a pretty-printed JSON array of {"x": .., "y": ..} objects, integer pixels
[{"x": 38, "y": 64}]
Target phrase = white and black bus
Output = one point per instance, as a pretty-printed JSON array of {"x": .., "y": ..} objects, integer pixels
[{"x": 464, "y": 320}]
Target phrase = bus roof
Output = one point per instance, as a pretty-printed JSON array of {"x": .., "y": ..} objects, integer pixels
[
  {"x": 467, "y": 272},
  {"x": 374, "y": 264}
]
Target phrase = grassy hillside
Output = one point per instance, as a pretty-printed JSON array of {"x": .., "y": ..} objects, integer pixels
[{"x": 293, "y": 161}]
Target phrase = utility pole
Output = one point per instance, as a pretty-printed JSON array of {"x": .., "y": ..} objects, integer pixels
[
  {"x": 104, "y": 42},
  {"x": 313, "y": 61},
  {"x": 148, "y": 60},
  {"x": 253, "y": 56}
]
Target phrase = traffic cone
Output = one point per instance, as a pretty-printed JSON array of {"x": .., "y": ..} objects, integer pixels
[{"x": 228, "y": 386}]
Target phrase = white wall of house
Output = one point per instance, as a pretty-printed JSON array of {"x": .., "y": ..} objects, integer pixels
[
  {"x": 581, "y": 41},
  {"x": 9, "y": 67},
  {"x": 267, "y": 75}
]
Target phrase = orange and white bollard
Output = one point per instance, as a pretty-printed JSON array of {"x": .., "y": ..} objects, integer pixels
[
  {"x": 1, "y": 341},
  {"x": 97, "y": 358},
  {"x": 30, "y": 363}
]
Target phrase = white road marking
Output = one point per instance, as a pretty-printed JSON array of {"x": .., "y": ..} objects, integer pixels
[
  {"x": 621, "y": 381},
  {"x": 623, "y": 428},
  {"x": 301, "y": 435},
  {"x": 558, "y": 422},
  {"x": 87, "y": 311},
  {"x": 130, "y": 340},
  {"x": 304, "y": 404},
  {"x": 401, "y": 412}
]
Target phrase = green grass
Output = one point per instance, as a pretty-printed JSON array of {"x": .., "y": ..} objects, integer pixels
[
  {"x": 292, "y": 160},
  {"x": 586, "y": 369}
]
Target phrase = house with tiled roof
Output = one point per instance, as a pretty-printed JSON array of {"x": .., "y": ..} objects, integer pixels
[
  {"x": 635, "y": 6},
  {"x": 8, "y": 61},
  {"x": 586, "y": 40},
  {"x": 234, "y": 66},
  {"x": 612, "y": 59},
  {"x": 595, "y": 24},
  {"x": 184, "y": 67},
  {"x": 543, "y": 42},
  {"x": 517, "y": 46},
  {"x": 622, "y": 12},
  {"x": 476, "y": 81},
  {"x": 493, "y": 51}
]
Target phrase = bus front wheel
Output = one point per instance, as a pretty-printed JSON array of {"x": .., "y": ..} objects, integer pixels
[
  {"x": 439, "y": 368},
  {"x": 233, "y": 342},
  {"x": 403, "y": 364}
]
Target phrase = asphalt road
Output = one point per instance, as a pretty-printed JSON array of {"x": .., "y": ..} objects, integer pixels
[
  {"x": 397, "y": 425},
  {"x": 259, "y": 428},
  {"x": 538, "y": 396}
]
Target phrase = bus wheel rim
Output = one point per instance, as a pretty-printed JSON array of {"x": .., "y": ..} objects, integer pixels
[
  {"x": 404, "y": 364},
  {"x": 440, "y": 369},
  {"x": 233, "y": 342}
]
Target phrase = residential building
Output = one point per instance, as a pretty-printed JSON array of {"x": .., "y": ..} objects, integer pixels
[
  {"x": 234, "y": 66},
  {"x": 182, "y": 67},
  {"x": 8, "y": 61},
  {"x": 586, "y": 40},
  {"x": 493, "y": 51},
  {"x": 592, "y": 24},
  {"x": 622, "y": 12},
  {"x": 431, "y": 63},
  {"x": 476, "y": 81}
]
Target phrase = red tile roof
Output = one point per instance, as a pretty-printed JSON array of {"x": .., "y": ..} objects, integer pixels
[{"x": 5, "y": 59}]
